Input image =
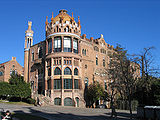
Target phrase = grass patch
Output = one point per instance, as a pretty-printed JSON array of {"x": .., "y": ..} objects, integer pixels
[
  {"x": 15, "y": 103},
  {"x": 25, "y": 116}
]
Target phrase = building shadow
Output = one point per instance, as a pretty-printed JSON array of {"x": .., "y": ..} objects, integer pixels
[{"x": 70, "y": 116}]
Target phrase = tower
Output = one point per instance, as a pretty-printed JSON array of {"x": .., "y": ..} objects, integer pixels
[{"x": 28, "y": 44}]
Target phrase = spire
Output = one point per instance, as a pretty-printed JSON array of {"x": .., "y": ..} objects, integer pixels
[
  {"x": 46, "y": 20},
  {"x": 72, "y": 17},
  {"x": 29, "y": 25},
  {"x": 52, "y": 17},
  {"x": 79, "y": 22}
]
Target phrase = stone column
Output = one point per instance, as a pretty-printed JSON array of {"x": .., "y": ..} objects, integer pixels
[
  {"x": 46, "y": 77},
  {"x": 62, "y": 45},
  {"x": 62, "y": 85},
  {"x": 52, "y": 83},
  {"x": 72, "y": 44},
  {"x": 52, "y": 44},
  {"x": 46, "y": 47},
  {"x": 79, "y": 47},
  {"x": 72, "y": 83}
]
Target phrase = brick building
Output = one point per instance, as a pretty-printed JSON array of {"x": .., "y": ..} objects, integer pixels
[
  {"x": 7, "y": 68},
  {"x": 61, "y": 66}
]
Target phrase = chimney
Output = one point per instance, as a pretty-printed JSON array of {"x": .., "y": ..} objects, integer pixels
[
  {"x": 84, "y": 36},
  {"x": 91, "y": 38},
  {"x": 14, "y": 58}
]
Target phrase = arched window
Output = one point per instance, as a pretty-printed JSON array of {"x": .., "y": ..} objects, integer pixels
[
  {"x": 67, "y": 71},
  {"x": 77, "y": 101},
  {"x": 40, "y": 52},
  {"x": 75, "y": 71},
  {"x": 67, "y": 29},
  {"x": 96, "y": 60},
  {"x": 59, "y": 30},
  {"x": 86, "y": 81},
  {"x": 68, "y": 102},
  {"x": 1, "y": 73},
  {"x": 103, "y": 62},
  {"x": 57, "y": 101},
  {"x": 57, "y": 71}
]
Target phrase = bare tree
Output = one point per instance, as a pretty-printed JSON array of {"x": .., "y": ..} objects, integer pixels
[
  {"x": 145, "y": 59},
  {"x": 124, "y": 74}
]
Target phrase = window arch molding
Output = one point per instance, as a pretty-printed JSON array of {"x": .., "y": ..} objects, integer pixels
[
  {"x": 57, "y": 71},
  {"x": 67, "y": 71}
]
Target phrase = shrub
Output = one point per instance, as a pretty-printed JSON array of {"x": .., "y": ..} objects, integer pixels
[{"x": 31, "y": 101}]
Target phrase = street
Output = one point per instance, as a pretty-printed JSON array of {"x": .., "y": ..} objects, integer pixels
[{"x": 66, "y": 113}]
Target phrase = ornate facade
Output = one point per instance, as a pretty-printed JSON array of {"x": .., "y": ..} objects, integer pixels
[{"x": 61, "y": 66}]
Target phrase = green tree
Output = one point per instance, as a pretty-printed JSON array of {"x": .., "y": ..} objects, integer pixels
[
  {"x": 20, "y": 88},
  {"x": 95, "y": 92},
  {"x": 5, "y": 89},
  {"x": 155, "y": 92}
]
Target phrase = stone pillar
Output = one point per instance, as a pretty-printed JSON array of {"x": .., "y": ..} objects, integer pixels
[
  {"x": 62, "y": 90},
  {"x": 52, "y": 44},
  {"x": 46, "y": 47},
  {"x": 52, "y": 83},
  {"x": 79, "y": 47},
  {"x": 46, "y": 77},
  {"x": 73, "y": 82},
  {"x": 72, "y": 44},
  {"x": 62, "y": 46}
]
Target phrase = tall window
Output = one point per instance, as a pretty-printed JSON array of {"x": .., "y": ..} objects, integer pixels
[
  {"x": 49, "y": 71},
  {"x": 40, "y": 52},
  {"x": 57, "y": 84},
  {"x": 67, "y": 71},
  {"x": 75, "y": 46},
  {"x": 105, "y": 85},
  {"x": 103, "y": 62},
  {"x": 84, "y": 52},
  {"x": 1, "y": 73},
  {"x": 66, "y": 29},
  {"x": 57, "y": 44},
  {"x": 32, "y": 56},
  {"x": 86, "y": 82},
  {"x": 75, "y": 71},
  {"x": 96, "y": 60},
  {"x": 67, "y": 83},
  {"x": 67, "y": 44},
  {"x": 57, "y": 71},
  {"x": 76, "y": 85},
  {"x": 49, "y": 45}
]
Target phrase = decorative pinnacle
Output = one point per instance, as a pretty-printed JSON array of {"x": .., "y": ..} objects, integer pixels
[
  {"x": 46, "y": 20},
  {"x": 78, "y": 20},
  {"x": 29, "y": 25},
  {"x": 52, "y": 17},
  {"x": 72, "y": 17}
]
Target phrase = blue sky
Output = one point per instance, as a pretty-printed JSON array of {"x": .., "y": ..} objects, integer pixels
[{"x": 134, "y": 24}]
